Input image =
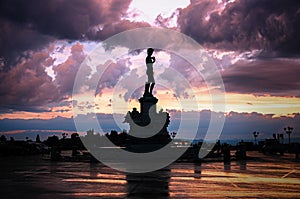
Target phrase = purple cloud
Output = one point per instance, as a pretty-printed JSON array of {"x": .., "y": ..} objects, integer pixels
[
  {"x": 279, "y": 77},
  {"x": 244, "y": 25},
  {"x": 66, "y": 71},
  {"x": 29, "y": 25},
  {"x": 27, "y": 86}
]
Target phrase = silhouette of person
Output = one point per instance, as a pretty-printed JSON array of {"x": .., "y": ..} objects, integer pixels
[
  {"x": 134, "y": 113},
  {"x": 149, "y": 63}
]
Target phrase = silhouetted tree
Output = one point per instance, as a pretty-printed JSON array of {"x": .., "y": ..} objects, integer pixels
[
  {"x": 113, "y": 136},
  {"x": 52, "y": 141},
  {"x": 75, "y": 140},
  {"x": 11, "y": 139},
  {"x": 74, "y": 136},
  {"x": 64, "y": 135},
  {"x": 113, "y": 133},
  {"x": 37, "y": 139},
  {"x": 288, "y": 131},
  {"x": 123, "y": 137},
  {"x": 3, "y": 138}
]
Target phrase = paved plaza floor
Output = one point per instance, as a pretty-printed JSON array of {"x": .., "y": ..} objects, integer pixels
[{"x": 261, "y": 177}]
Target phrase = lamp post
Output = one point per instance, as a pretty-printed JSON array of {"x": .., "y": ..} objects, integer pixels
[
  {"x": 288, "y": 131},
  {"x": 255, "y": 134}
]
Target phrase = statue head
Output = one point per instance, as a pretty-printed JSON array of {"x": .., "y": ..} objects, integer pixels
[{"x": 150, "y": 51}]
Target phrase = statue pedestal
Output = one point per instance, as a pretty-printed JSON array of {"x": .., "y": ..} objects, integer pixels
[
  {"x": 153, "y": 124},
  {"x": 147, "y": 107}
]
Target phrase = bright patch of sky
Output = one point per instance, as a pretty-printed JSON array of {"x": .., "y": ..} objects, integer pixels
[
  {"x": 62, "y": 50},
  {"x": 148, "y": 11},
  {"x": 138, "y": 62},
  {"x": 60, "y": 54},
  {"x": 224, "y": 59},
  {"x": 219, "y": 9}
]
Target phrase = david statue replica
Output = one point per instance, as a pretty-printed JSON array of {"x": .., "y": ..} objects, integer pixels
[
  {"x": 148, "y": 119},
  {"x": 149, "y": 63}
]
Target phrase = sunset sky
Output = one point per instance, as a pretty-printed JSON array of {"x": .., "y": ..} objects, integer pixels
[{"x": 255, "y": 45}]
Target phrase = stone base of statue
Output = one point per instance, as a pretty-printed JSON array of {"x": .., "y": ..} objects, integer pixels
[{"x": 148, "y": 128}]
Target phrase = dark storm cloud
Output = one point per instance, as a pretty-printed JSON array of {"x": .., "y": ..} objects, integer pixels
[
  {"x": 30, "y": 24},
  {"x": 27, "y": 86},
  {"x": 109, "y": 29},
  {"x": 15, "y": 39},
  {"x": 27, "y": 27},
  {"x": 63, "y": 18},
  {"x": 278, "y": 77},
  {"x": 272, "y": 25}
]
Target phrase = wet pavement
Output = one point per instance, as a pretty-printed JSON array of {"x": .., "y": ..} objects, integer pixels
[{"x": 264, "y": 177}]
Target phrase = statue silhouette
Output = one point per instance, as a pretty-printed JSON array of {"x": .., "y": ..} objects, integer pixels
[
  {"x": 149, "y": 63},
  {"x": 147, "y": 121}
]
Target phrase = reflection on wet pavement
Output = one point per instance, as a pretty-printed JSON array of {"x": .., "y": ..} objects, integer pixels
[{"x": 35, "y": 178}]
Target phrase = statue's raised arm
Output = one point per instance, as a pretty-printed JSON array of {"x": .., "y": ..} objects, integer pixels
[{"x": 149, "y": 63}]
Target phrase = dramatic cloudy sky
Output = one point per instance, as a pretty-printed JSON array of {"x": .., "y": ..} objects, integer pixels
[{"x": 254, "y": 43}]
